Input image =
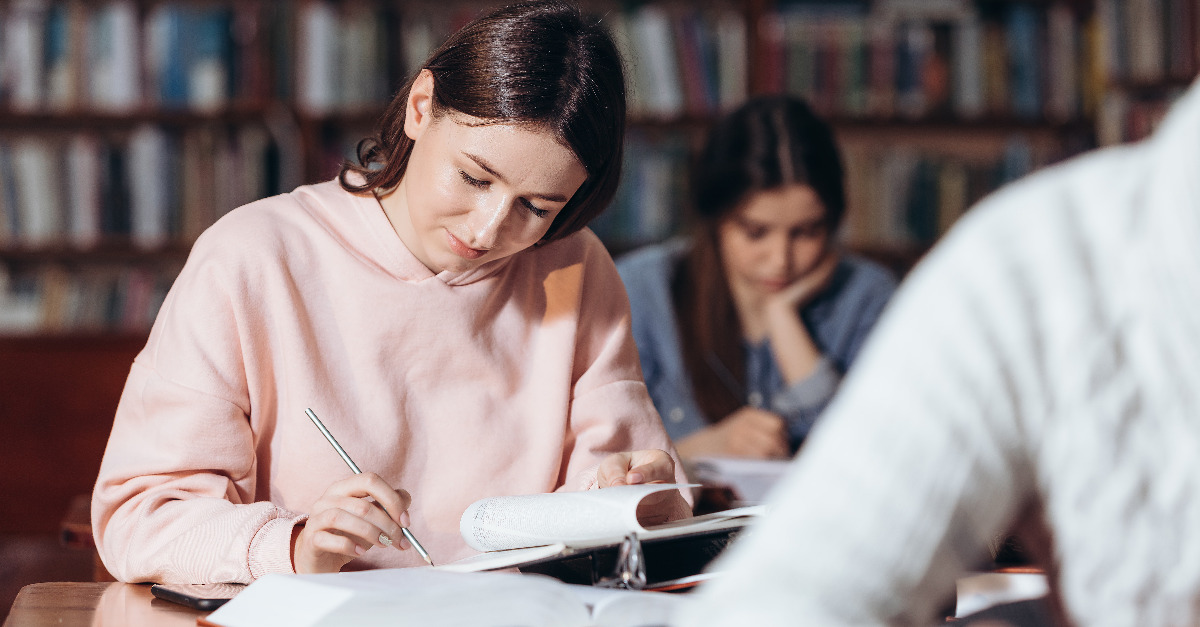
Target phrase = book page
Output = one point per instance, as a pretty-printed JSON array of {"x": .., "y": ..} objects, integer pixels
[
  {"x": 511, "y": 522},
  {"x": 980, "y": 591},
  {"x": 403, "y": 596},
  {"x": 495, "y": 560},
  {"x": 627, "y": 608}
]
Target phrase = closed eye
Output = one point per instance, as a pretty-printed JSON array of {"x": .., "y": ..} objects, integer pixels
[
  {"x": 541, "y": 213},
  {"x": 472, "y": 181}
]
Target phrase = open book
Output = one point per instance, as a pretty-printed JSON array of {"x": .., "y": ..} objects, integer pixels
[
  {"x": 574, "y": 536},
  {"x": 425, "y": 596}
]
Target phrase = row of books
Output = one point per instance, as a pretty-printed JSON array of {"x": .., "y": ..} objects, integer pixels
[
  {"x": 898, "y": 198},
  {"x": 153, "y": 187},
  {"x": 111, "y": 57},
  {"x": 1126, "y": 117},
  {"x": 120, "y": 56},
  {"x": 932, "y": 59},
  {"x": 907, "y": 198},
  {"x": 647, "y": 207},
  {"x": 326, "y": 56},
  {"x": 58, "y": 299},
  {"x": 682, "y": 61},
  {"x": 1147, "y": 41},
  {"x": 916, "y": 59}
]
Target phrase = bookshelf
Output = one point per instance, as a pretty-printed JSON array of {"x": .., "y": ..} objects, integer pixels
[{"x": 127, "y": 126}]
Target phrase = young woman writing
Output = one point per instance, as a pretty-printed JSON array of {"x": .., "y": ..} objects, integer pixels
[
  {"x": 746, "y": 328},
  {"x": 438, "y": 305}
]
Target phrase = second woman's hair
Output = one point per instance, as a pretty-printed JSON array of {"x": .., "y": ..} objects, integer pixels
[
  {"x": 768, "y": 143},
  {"x": 533, "y": 63}
]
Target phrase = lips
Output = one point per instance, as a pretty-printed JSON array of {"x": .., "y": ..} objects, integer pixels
[
  {"x": 773, "y": 286},
  {"x": 461, "y": 249}
]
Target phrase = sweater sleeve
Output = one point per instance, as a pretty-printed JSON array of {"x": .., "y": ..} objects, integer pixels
[
  {"x": 856, "y": 309},
  {"x": 918, "y": 463},
  {"x": 175, "y": 499},
  {"x": 611, "y": 411}
]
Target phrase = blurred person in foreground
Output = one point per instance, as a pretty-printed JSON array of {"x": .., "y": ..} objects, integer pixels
[{"x": 1041, "y": 365}]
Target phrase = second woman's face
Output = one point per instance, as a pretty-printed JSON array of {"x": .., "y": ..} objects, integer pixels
[
  {"x": 773, "y": 240},
  {"x": 475, "y": 193}
]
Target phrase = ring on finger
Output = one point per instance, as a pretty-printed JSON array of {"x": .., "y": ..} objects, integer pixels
[{"x": 384, "y": 539}]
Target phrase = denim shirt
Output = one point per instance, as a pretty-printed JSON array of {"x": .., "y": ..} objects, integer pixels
[{"x": 838, "y": 320}]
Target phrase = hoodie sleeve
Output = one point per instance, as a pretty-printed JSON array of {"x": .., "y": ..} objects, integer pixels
[
  {"x": 611, "y": 410},
  {"x": 175, "y": 497}
]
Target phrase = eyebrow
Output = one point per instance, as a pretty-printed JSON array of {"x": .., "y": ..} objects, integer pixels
[{"x": 487, "y": 167}]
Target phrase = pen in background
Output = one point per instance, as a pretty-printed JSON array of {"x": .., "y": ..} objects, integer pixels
[{"x": 350, "y": 462}]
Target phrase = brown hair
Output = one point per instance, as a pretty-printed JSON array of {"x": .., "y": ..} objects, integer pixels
[
  {"x": 768, "y": 143},
  {"x": 533, "y": 63}
]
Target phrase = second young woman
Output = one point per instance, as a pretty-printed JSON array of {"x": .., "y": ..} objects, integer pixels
[{"x": 746, "y": 328}]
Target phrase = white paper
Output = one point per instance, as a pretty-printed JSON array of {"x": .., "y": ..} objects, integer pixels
[
  {"x": 981, "y": 591},
  {"x": 750, "y": 479},
  {"x": 511, "y": 522},
  {"x": 402, "y": 597}
]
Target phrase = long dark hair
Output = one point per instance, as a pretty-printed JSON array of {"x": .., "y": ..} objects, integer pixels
[
  {"x": 538, "y": 63},
  {"x": 768, "y": 143}
]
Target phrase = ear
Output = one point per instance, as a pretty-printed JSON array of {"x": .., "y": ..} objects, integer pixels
[{"x": 418, "y": 114}]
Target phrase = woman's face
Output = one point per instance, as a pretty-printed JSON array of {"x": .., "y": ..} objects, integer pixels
[
  {"x": 774, "y": 239},
  {"x": 476, "y": 193}
]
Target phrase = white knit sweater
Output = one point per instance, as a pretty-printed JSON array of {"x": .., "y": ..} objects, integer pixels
[{"x": 1046, "y": 353}]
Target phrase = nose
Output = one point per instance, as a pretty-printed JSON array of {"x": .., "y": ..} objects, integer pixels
[
  {"x": 489, "y": 222},
  {"x": 777, "y": 255}
]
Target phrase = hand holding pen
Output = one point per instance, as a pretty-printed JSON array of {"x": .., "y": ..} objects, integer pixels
[{"x": 344, "y": 524}]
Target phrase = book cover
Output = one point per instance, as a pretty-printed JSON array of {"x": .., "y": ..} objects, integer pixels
[
  {"x": 83, "y": 194},
  {"x": 967, "y": 60},
  {"x": 655, "y": 47},
  {"x": 732, "y": 59},
  {"x": 317, "y": 66},
  {"x": 114, "y": 57},
  {"x": 1063, "y": 63},
  {"x": 148, "y": 187},
  {"x": 24, "y": 37},
  {"x": 38, "y": 197},
  {"x": 1025, "y": 61},
  {"x": 208, "y": 58}
]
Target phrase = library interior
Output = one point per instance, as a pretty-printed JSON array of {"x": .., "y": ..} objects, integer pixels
[{"x": 159, "y": 116}]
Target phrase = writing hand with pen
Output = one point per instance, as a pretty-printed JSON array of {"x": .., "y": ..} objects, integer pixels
[{"x": 344, "y": 524}]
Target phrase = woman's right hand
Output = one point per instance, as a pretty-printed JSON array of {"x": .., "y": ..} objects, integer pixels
[
  {"x": 344, "y": 524},
  {"x": 747, "y": 432}
]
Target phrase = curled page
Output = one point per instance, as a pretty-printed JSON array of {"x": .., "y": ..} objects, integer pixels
[{"x": 510, "y": 522}]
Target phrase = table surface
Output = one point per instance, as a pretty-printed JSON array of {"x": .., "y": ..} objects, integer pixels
[{"x": 76, "y": 604}]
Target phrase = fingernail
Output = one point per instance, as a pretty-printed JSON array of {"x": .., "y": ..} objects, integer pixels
[
  {"x": 404, "y": 544},
  {"x": 359, "y": 549},
  {"x": 635, "y": 477},
  {"x": 404, "y": 519}
]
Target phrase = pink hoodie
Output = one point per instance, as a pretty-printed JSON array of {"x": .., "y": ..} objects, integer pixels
[{"x": 516, "y": 377}]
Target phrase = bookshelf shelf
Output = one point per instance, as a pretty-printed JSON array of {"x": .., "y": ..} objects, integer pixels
[
  {"x": 93, "y": 120},
  {"x": 109, "y": 253}
]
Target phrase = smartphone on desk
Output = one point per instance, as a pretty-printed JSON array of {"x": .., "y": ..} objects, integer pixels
[{"x": 201, "y": 596}]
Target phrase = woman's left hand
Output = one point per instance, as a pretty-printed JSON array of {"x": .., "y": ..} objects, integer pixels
[
  {"x": 807, "y": 287},
  {"x": 649, "y": 466},
  {"x": 634, "y": 467}
]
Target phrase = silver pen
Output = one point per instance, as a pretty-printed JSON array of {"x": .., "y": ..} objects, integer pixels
[{"x": 350, "y": 462}]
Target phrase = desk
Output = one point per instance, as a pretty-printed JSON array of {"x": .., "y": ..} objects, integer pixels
[{"x": 96, "y": 605}]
